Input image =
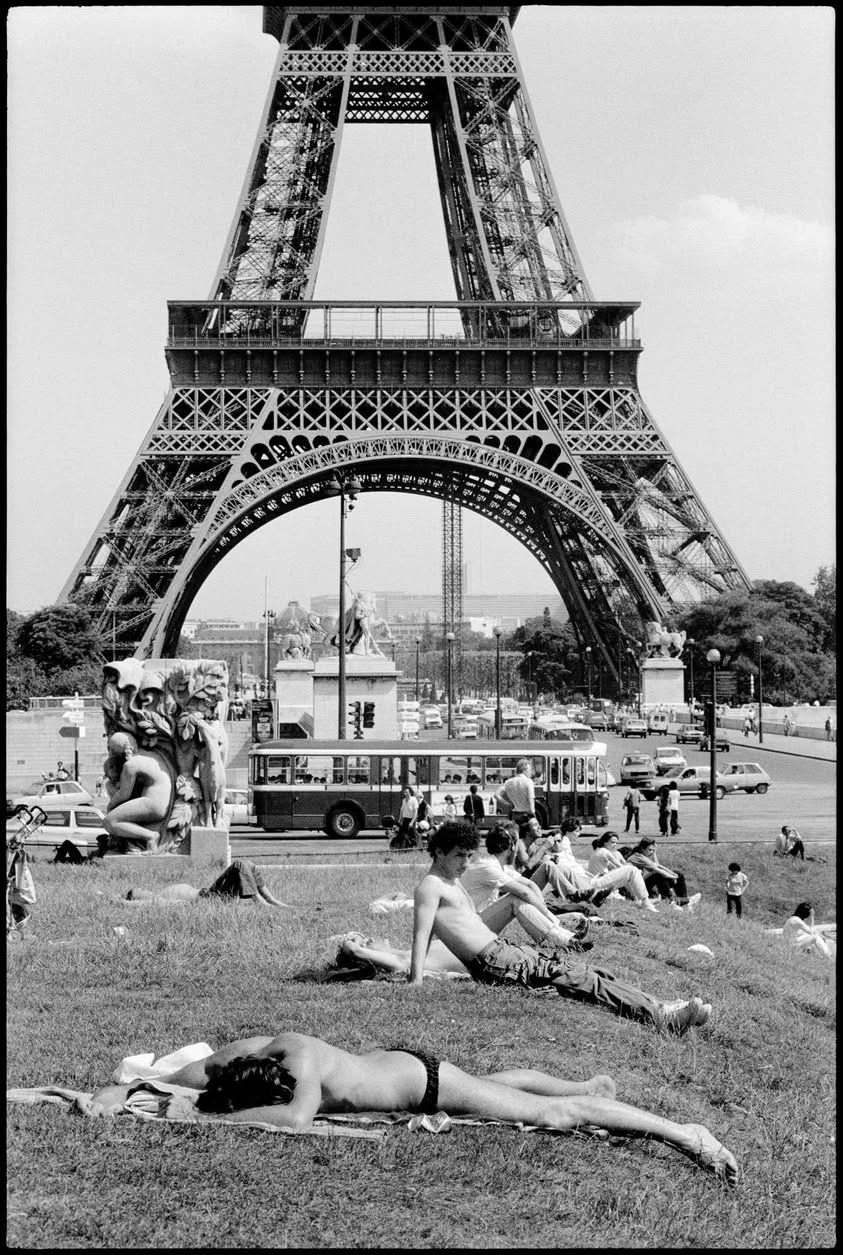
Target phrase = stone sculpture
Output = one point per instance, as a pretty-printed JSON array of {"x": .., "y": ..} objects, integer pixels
[
  {"x": 165, "y": 723},
  {"x": 361, "y": 623},
  {"x": 662, "y": 642}
]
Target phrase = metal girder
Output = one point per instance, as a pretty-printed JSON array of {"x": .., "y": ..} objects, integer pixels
[{"x": 531, "y": 415}]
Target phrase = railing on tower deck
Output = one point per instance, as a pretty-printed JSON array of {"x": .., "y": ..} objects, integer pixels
[{"x": 414, "y": 324}]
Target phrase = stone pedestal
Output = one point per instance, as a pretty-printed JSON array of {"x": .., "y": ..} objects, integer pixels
[
  {"x": 367, "y": 679},
  {"x": 662, "y": 682},
  {"x": 294, "y": 696}
]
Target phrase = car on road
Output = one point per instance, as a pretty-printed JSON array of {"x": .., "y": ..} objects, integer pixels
[
  {"x": 751, "y": 777},
  {"x": 598, "y": 720},
  {"x": 668, "y": 756},
  {"x": 722, "y": 743},
  {"x": 691, "y": 781},
  {"x": 50, "y": 793},
  {"x": 688, "y": 733},
  {"x": 432, "y": 717},
  {"x": 637, "y": 769},
  {"x": 634, "y": 727},
  {"x": 657, "y": 722},
  {"x": 80, "y": 824},
  {"x": 237, "y": 806}
]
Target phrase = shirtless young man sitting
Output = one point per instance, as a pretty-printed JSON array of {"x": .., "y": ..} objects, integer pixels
[
  {"x": 443, "y": 908},
  {"x": 290, "y": 1079}
]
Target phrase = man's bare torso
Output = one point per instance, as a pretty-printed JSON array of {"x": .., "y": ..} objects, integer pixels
[{"x": 457, "y": 924}]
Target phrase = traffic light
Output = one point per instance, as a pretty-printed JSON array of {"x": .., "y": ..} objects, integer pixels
[
  {"x": 368, "y": 714},
  {"x": 354, "y": 718}
]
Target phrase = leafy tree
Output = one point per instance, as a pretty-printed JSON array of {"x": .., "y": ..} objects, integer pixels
[
  {"x": 59, "y": 637},
  {"x": 794, "y": 665},
  {"x": 825, "y": 601},
  {"x": 552, "y": 660}
]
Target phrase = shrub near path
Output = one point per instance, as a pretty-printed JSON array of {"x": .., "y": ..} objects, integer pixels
[{"x": 761, "y": 1076}]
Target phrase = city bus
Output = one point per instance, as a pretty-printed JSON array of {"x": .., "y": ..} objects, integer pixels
[
  {"x": 567, "y": 732},
  {"x": 514, "y": 725},
  {"x": 341, "y": 787}
]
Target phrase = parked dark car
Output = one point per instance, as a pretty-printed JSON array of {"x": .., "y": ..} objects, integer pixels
[{"x": 722, "y": 743}]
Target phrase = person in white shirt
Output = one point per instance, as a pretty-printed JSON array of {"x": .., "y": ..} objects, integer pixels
[
  {"x": 500, "y": 894},
  {"x": 518, "y": 794},
  {"x": 407, "y": 814},
  {"x": 801, "y": 932}
]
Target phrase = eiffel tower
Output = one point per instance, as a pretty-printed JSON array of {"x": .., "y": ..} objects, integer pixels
[{"x": 518, "y": 400}]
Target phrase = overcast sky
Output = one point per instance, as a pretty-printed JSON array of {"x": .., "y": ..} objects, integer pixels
[{"x": 692, "y": 148}]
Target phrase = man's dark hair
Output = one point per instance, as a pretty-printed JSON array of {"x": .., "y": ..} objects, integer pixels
[
  {"x": 450, "y": 836},
  {"x": 499, "y": 839},
  {"x": 803, "y": 910},
  {"x": 249, "y": 1081},
  {"x": 734, "y": 867}
]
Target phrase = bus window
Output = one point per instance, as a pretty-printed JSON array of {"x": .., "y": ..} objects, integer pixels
[
  {"x": 318, "y": 769},
  {"x": 537, "y": 765},
  {"x": 358, "y": 769},
  {"x": 423, "y": 773},
  {"x": 500, "y": 768},
  {"x": 590, "y": 769},
  {"x": 566, "y": 773},
  {"x": 390, "y": 770},
  {"x": 554, "y": 772},
  {"x": 412, "y": 774},
  {"x": 452, "y": 768},
  {"x": 580, "y": 771},
  {"x": 272, "y": 770}
]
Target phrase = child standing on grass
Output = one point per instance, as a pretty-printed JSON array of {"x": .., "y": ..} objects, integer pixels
[{"x": 735, "y": 886}]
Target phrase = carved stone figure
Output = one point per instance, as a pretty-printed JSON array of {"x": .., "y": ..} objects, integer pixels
[
  {"x": 361, "y": 622},
  {"x": 295, "y": 631},
  {"x": 662, "y": 642},
  {"x": 165, "y": 719}
]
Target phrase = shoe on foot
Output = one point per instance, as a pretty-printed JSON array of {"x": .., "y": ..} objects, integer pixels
[
  {"x": 648, "y": 906},
  {"x": 686, "y": 1017},
  {"x": 675, "y": 905},
  {"x": 692, "y": 901}
]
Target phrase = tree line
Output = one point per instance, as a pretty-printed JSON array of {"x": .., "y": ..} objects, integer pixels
[{"x": 56, "y": 651}]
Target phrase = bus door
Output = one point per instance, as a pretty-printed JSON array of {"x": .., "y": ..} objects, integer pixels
[
  {"x": 584, "y": 772},
  {"x": 456, "y": 773},
  {"x": 387, "y": 771},
  {"x": 313, "y": 777},
  {"x": 272, "y": 794}
]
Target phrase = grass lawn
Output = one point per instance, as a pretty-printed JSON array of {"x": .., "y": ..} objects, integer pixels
[{"x": 761, "y": 1076}]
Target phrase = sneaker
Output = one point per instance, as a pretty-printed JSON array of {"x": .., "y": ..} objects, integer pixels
[
  {"x": 648, "y": 906},
  {"x": 675, "y": 905},
  {"x": 680, "y": 1020},
  {"x": 692, "y": 901}
]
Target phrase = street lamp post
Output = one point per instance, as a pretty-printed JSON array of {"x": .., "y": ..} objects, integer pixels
[
  {"x": 759, "y": 641},
  {"x": 588, "y": 665},
  {"x": 449, "y": 638},
  {"x": 713, "y": 658},
  {"x": 346, "y": 490},
  {"x": 267, "y": 616},
  {"x": 497, "y": 631},
  {"x": 690, "y": 643},
  {"x": 418, "y": 643}
]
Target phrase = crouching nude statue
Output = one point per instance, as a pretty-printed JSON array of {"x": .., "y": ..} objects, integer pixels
[{"x": 165, "y": 723}]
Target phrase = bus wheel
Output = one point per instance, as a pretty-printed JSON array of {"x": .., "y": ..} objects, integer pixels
[
  {"x": 343, "y": 821},
  {"x": 541, "y": 814}
]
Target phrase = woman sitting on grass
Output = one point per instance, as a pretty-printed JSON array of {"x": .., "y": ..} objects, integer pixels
[
  {"x": 290, "y": 1079},
  {"x": 661, "y": 881},
  {"x": 802, "y": 933}
]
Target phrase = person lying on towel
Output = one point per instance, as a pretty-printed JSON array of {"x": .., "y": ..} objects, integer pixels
[{"x": 290, "y": 1079}]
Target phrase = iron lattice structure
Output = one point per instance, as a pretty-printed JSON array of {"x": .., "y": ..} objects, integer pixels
[
  {"x": 452, "y": 585},
  {"x": 519, "y": 400}
]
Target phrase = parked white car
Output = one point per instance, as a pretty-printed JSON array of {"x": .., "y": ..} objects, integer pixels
[
  {"x": 432, "y": 717},
  {"x": 53, "y": 793},
  {"x": 80, "y": 824},
  {"x": 237, "y": 806}
]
